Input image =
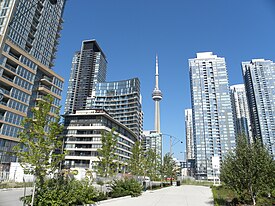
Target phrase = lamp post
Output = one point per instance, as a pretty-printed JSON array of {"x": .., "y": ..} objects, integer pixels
[{"x": 173, "y": 141}]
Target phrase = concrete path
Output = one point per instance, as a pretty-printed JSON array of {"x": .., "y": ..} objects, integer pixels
[
  {"x": 187, "y": 195},
  {"x": 10, "y": 197}
]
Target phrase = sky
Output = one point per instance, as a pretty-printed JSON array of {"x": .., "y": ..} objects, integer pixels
[{"x": 131, "y": 33}]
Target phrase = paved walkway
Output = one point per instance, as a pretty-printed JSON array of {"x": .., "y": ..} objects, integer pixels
[
  {"x": 187, "y": 195},
  {"x": 10, "y": 197}
]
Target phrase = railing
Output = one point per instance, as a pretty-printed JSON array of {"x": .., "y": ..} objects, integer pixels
[
  {"x": 4, "y": 103},
  {"x": 47, "y": 78},
  {"x": 7, "y": 78},
  {"x": 4, "y": 176},
  {"x": 16, "y": 57},
  {"x": 5, "y": 91},
  {"x": 11, "y": 68},
  {"x": 44, "y": 86}
]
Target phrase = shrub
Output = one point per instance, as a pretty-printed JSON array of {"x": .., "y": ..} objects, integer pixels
[
  {"x": 125, "y": 187},
  {"x": 101, "y": 196},
  {"x": 63, "y": 192}
]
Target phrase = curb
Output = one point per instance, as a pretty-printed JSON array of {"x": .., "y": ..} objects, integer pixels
[{"x": 113, "y": 199}]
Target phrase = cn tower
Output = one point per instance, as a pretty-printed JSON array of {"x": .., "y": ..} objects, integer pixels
[{"x": 157, "y": 96}]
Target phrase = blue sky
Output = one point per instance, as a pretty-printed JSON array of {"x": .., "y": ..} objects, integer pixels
[{"x": 131, "y": 33}]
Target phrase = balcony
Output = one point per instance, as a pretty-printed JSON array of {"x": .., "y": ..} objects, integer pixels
[
  {"x": 45, "y": 78},
  {"x": 3, "y": 103},
  {"x": 44, "y": 86},
  {"x": 7, "y": 78},
  {"x": 7, "y": 92},
  {"x": 11, "y": 68},
  {"x": 14, "y": 56}
]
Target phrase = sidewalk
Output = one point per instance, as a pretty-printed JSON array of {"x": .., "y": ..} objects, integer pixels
[{"x": 187, "y": 195}]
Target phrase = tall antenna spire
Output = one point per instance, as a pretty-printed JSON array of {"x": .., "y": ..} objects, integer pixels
[
  {"x": 157, "y": 72},
  {"x": 157, "y": 96}
]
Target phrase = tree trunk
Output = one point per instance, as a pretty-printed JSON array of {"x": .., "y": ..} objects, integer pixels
[
  {"x": 253, "y": 197},
  {"x": 254, "y": 200},
  {"x": 33, "y": 191}
]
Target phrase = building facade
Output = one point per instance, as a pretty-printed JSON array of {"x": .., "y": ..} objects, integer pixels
[
  {"x": 241, "y": 111},
  {"x": 89, "y": 67},
  {"x": 83, "y": 138},
  {"x": 152, "y": 140},
  {"x": 189, "y": 134},
  {"x": 213, "y": 126},
  {"x": 29, "y": 33},
  {"x": 259, "y": 78},
  {"x": 122, "y": 100}
]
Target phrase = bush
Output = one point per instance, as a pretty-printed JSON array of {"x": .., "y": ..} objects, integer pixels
[
  {"x": 125, "y": 187},
  {"x": 63, "y": 192},
  {"x": 166, "y": 184},
  {"x": 101, "y": 196}
]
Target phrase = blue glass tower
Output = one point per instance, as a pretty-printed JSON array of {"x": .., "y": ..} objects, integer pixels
[
  {"x": 29, "y": 35},
  {"x": 213, "y": 126},
  {"x": 259, "y": 78}
]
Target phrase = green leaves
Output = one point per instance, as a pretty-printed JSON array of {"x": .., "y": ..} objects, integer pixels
[
  {"x": 40, "y": 140},
  {"x": 169, "y": 168},
  {"x": 144, "y": 163},
  {"x": 136, "y": 160},
  {"x": 62, "y": 191},
  {"x": 107, "y": 164},
  {"x": 126, "y": 187},
  {"x": 249, "y": 170}
]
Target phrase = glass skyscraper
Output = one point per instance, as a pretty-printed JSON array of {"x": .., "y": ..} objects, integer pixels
[
  {"x": 241, "y": 111},
  {"x": 213, "y": 126},
  {"x": 88, "y": 68},
  {"x": 29, "y": 33},
  {"x": 189, "y": 134},
  {"x": 259, "y": 78},
  {"x": 122, "y": 100}
]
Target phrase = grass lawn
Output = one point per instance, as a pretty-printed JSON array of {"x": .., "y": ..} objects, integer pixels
[{"x": 224, "y": 196}]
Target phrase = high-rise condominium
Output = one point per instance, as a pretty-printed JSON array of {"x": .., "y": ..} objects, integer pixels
[
  {"x": 240, "y": 111},
  {"x": 213, "y": 125},
  {"x": 83, "y": 131},
  {"x": 189, "y": 134},
  {"x": 29, "y": 32},
  {"x": 152, "y": 140},
  {"x": 122, "y": 100},
  {"x": 259, "y": 78},
  {"x": 88, "y": 68}
]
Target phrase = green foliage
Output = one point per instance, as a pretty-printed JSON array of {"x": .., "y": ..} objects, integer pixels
[
  {"x": 196, "y": 182},
  {"x": 63, "y": 191},
  {"x": 39, "y": 140},
  {"x": 152, "y": 165},
  {"x": 136, "y": 160},
  {"x": 101, "y": 196},
  {"x": 225, "y": 196},
  {"x": 144, "y": 163},
  {"x": 15, "y": 184},
  {"x": 249, "y": 170},
  {"x": 107, "y": 165},
  {"x": 169, "y": 168},
  {"x": 126, "y": 187}
]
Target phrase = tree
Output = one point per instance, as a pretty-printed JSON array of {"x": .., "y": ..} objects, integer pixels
[
  {"x": 136, "y": 159},
  {"x": 152, "y": 164},
  {"x": 39, "y": 141},
  {"x": 249, "y": 170},
  {"x": 107, "y": 154},
  {"x": 169, "y": 169}
]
